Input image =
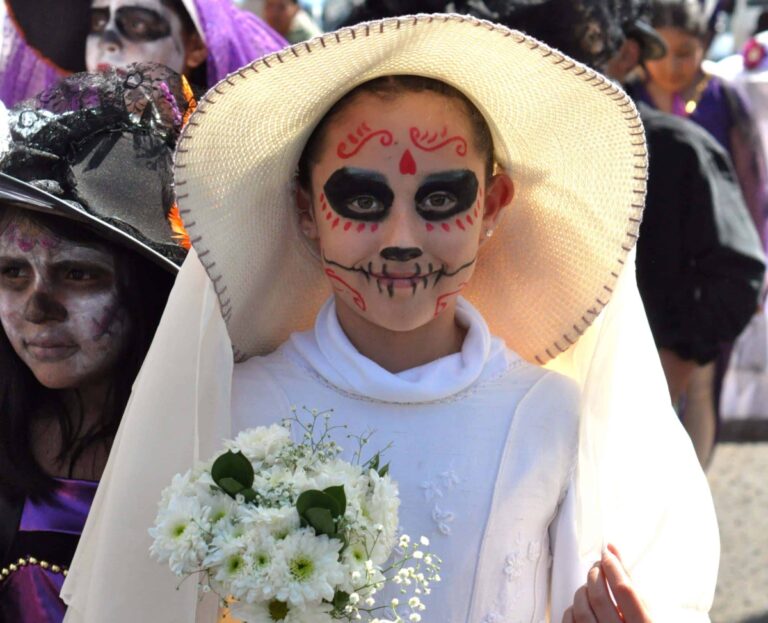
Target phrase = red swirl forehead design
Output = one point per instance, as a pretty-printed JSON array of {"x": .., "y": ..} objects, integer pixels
[
  {"x": 434, "y": 141},
  {"x": 356, "y": 140}
]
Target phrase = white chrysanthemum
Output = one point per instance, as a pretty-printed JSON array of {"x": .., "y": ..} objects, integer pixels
[
  {"x": 279, "y": 522},
  {"x": 263, "y": 443},
  {"x": 337, "y": 472},
  {"x": 179, "y": 535},
  {"x": 382, "y": 509},
  {"x": 358, "y": 573},
  {"x": 319, "y": 613},
  {"x": 280, "y": 613},
  {"x": 306, "y": 568}
]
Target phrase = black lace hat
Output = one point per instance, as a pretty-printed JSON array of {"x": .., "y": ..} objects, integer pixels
[{"x": 98, "y": 148}]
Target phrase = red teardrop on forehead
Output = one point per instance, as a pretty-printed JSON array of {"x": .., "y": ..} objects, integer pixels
[{"x": 407, "y": 163}]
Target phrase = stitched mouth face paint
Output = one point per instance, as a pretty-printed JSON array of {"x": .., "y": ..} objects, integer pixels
[
  {"x": 390, "y": 276},
  {"x": 393, "y": 211},
  {"x": 130, "y": 31},
  {"x": 445, "y": 194}
]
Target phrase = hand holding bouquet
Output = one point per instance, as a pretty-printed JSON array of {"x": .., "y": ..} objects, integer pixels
[{"x": 289, "y": 532}]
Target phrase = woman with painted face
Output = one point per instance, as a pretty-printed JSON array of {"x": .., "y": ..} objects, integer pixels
[
  {"x": 435, "y": 241},
  {"x": 203, "y": 39},
  {"x": 677, "y": 84},
  {"x": 87, "y": 259}
]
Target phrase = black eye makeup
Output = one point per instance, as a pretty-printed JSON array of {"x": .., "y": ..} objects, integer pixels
[
  {"x": 135, "y": 23},
  {"x": 99, "y": 20},
  {"x": 359, "y": 194},
  {"x": 446, "y": 194},
  {"x": 141, "y": 24}
]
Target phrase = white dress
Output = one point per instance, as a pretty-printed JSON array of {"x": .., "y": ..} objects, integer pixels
[{"x": 483, "y": 448}]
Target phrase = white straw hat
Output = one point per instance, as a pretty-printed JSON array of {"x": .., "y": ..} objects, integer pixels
[{"x": 571, "y": 140}]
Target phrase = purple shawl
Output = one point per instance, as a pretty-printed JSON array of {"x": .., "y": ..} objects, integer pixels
[{"x": 234, "y": 38}]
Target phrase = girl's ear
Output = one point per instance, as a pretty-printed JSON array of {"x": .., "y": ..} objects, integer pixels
[
  {"x": 307, "y": 221},
  {"x": 498, "y": 195}
]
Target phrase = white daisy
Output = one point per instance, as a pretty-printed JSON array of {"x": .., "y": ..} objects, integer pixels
[{"x": 306, "y": 568}]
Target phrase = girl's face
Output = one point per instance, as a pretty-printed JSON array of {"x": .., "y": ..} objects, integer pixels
[
  {"x": 59, "y": 305},
  {"x": 400, "y": 205},
  {"x": 678, "y": 69},
  {"x": 130, "y": 31}
]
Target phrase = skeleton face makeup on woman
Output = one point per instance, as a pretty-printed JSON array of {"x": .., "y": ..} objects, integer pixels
[
  {"x": 401, "y": 203},
  {"x": 59, "y": 305},
  {"x": 129, "y": 31}
]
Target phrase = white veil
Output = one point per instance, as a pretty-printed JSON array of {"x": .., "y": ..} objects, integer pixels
[{"x": 639, "y": 485}]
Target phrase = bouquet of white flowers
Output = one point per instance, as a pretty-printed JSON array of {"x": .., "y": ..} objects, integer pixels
[{"x": 286, "y": 531}]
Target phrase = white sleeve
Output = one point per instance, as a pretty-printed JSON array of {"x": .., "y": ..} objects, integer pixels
[
  {"x": 569, "y": 570},
  {"x": 638, "y": 484}
]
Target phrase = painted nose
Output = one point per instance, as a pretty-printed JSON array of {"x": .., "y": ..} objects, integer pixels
[
  {"x": 111, "y": 41},
  {"x": 401, "y": 254},
  {"x": 41, "y": 307}
]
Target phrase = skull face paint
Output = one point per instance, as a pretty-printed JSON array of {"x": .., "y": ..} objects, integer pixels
[
  {"x": 385, "y": 208},
  {"x": 128, "y": 31},
  {"x": 59, "y": 305}
]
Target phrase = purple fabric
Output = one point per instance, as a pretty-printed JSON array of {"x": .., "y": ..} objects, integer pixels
[
  {"x": 65, "y": 511},
  {"x": 713, "y": 111},
  {"x": 234, "y": 38},
  {"x": 23, "y": 73},
  {"x": 31, "y": 594}
]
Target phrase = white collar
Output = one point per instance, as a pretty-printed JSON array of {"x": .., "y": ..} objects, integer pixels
[{"x": 329, "y": 352}]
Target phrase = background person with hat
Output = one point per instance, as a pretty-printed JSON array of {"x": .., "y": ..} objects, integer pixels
[
  {"x": 203, "y": 39},
  {"x": 88, "y": 255},
  {"x": 360, "y": 287}
]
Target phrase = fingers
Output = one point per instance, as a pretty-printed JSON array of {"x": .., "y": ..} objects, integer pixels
[
  {"x": 599, "y": 598},
  {"x": 582, "y": 611},
  {"x": 628, "y": 601}
]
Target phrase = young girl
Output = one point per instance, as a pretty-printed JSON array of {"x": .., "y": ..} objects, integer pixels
[
  {"x": 87, "y": 260},
  {"x": 358, "y": 248}
]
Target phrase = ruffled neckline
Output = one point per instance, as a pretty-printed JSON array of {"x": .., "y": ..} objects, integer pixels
[{"x": 328, "y": 351}]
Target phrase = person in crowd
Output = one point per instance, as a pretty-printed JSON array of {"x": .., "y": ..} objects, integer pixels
[
  {"x": 439, "y": 224},
  {"x": 89, "y": 248},
  {"x": 290, "y": 20},
  {"x": 203, "y": 39},
  {"x": 677, "y": 84}
]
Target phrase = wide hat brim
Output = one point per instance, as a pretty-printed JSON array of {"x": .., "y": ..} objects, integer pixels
[
  {"x": 20, "y": 194},
  {"x": 571, "y": 140}
]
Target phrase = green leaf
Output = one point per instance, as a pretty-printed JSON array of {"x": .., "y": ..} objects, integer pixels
[
  {"x": 231, "y": 486},
  {"x": 384, "y": 470},
  {"x": 337, "y": 493},
  {"x": 249, "y": 495},
  {"x": 321, "y": 520},
  {"x": 340, "y": 600},
  {"x": 235, "y": 466},
  {"x": 374, "y": 462},
  {"x": 317, "y": 499}
]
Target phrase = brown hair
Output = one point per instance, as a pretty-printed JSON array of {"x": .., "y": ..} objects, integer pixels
[{"x": 388, "y": 88}]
